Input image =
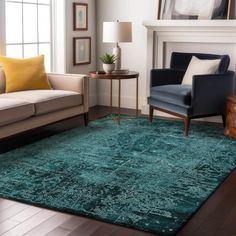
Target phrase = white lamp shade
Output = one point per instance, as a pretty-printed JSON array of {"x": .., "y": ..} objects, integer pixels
[{"x": 115, "y": 32}]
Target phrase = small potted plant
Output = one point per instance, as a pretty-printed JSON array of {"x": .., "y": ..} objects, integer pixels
[{"x": 108, "y": 62}]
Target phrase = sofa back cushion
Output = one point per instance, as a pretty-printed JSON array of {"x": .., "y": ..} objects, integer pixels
[
  {"x": 2, "y": 81},
  {"x": 181, "y": 60}
]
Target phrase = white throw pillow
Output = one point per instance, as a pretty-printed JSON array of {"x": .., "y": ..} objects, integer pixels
[{"x": 200, "y": 67}]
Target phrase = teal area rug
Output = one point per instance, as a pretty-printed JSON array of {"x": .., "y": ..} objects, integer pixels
[{"x": 141, "y": 175}]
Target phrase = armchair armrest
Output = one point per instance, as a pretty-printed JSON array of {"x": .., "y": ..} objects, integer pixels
[
  {"x": 71, "y": 82},
  {"x": 166, "y": 76},
  {"x": 209, "y": 92}
]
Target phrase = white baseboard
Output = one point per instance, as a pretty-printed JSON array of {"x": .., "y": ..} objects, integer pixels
[{"x": 145, "y": 111}]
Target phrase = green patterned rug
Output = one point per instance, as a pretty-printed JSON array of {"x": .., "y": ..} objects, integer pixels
[{"x": 141, "y": 175}]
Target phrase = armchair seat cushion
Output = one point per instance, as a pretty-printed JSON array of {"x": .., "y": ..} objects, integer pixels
[
  {"x": 46, "y": 101},
  {"x": 174, "y": 94}
]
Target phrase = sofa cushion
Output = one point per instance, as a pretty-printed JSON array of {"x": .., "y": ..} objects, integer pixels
[
  {"x": 46, "y": 101},
  {"x": 12, "y": 110},
  {"x": 24, "y": 74},
  {"x": 174, "y": 94}
]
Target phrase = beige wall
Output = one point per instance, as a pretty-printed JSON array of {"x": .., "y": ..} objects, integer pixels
[
  {"x": 82, "y": 69},
  {"x": 133, "y": 54}
]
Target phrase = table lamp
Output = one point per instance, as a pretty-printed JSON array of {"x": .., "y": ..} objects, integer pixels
[{"x": 117, "y": 32}]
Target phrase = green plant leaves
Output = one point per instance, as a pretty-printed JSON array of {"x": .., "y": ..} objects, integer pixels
[{"x": 108, "y": 59}]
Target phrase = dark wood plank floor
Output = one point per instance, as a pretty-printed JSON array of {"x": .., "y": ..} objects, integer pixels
[{"x": 216, "y": 217}]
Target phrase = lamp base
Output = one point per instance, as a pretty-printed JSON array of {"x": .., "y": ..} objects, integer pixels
[{"x": 117, "y": 53}]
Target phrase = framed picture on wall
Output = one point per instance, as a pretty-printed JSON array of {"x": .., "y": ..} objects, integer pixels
[
  {"x": 80, "y": 16},
  {"x": 159, "y": 9},
  {"x": 82, "y": 50},
  {"x": 194, "y": 10}
]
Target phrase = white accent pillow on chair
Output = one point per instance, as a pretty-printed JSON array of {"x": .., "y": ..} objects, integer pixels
[{"x": 200, "y": 67}]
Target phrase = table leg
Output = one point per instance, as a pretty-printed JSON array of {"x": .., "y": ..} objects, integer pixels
[
  {"x": 97, "y": 91},
  {"x": 136, "y": 97},
  {"x": 111, "y": 97},
  {"x": 119, "y": 101}
]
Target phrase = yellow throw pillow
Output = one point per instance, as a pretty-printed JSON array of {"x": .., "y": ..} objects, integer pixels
[{"x": 24, "y": 74}]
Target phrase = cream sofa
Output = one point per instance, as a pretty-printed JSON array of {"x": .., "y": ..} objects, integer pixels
[{"x": 26, "y": 110}]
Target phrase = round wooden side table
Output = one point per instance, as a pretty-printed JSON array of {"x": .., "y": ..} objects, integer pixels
[
  {"x": 119, "y": 76},
  {"x": 230, "y": 129}
]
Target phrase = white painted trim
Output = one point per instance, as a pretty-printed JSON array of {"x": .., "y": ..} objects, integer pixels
[
  {"x": 59, "y": 36},
  {"x": 190, "y": 25},
  {"x": 150, "y": 57},
  {"x": 2, "y": 28},
  {"x": 145, "y": 111}
]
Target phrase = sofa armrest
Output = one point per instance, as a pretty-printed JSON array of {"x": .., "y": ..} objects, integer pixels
[
  {"x": 71, "y": 82},
  {"x": 166, "y": 76},
  {"x": 209, "y": 92}
]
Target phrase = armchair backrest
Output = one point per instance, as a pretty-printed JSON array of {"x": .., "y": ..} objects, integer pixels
[{"x": 181, "y": 60}]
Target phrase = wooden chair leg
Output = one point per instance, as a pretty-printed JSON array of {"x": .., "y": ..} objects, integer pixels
[
  {"x": 224, "y": 120},
  {"x": 187, "y": 125},
  {"x": 151, "y": 113},
  {"x": 86, "y": 119}
]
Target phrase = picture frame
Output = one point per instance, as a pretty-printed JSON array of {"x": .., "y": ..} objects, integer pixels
[
  {"x": 159, "y": 6},
  {"x": 194, "y": 10},
  {"x": 81, "y": 50},
  {"x": 80, "y": 16}
]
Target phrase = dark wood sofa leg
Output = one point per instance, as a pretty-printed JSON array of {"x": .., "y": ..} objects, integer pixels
[
  {"x": 187, "y": 121},
  {"x": 224, "y": 120},
  {"x": 151, "y": 113},
  {"x": 86, "y": 119}
]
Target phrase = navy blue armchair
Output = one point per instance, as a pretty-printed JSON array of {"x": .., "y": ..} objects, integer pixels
[{"x": 205, "y": 97}]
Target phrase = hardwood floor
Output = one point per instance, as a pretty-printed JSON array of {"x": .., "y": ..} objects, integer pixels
[
  {"x": 20, "y": 219},
  {"x": 216, "y": 217}
]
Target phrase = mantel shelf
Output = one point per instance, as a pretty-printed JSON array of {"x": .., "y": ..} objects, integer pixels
[{"x": 191, "y": 25}]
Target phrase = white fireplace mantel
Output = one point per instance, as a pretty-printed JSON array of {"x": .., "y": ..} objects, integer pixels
[
  {"x": 191, "y": 25},
  {"x": 160, "y": 32},
  {"x": 194, "y": 31}
]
